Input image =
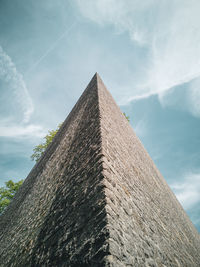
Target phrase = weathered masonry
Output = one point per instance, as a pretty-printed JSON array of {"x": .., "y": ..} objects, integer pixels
[{"x": 95, "y": 198}]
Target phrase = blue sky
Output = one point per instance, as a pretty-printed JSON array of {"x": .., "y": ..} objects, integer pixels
[{"x": 148, "y": 55}]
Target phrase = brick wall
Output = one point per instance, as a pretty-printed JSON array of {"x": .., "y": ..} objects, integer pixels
[
  {"x": 147, "y": 225},
  {"x": 58, "y": 217},
  {"x": 96, "y": 199}
]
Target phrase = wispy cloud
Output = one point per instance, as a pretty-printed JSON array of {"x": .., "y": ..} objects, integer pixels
[
  {"x": 16, "y": 87},
  {"x": 22, "y": 131},
  {"x": 187, "y": 190},
  {"x": 140, "y": 128},
  {"x": 169, "y": 29},
  {"x": 194, "y": 97},
  {"x": 16, "y": 84}
]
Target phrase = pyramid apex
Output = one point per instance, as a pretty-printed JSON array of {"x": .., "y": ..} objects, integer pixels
[
  {"x": 96, "y": 82},
  {"x": 96, "y": 76}
]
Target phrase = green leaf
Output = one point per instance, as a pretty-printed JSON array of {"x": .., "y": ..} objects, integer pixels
[
  {"x": 7, "y": 193},
  {"x": 40, "y": 149},
  {"x": 127, "y": 117}
]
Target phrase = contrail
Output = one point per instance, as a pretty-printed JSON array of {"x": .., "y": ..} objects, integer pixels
[{"x": 51, "y": 48}]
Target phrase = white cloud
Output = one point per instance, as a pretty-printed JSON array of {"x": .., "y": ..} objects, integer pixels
[
  {"x": 140, "y": 128},
  {"x": 194, "y": 97},
  {"x": 124, "y": 15},
  {"x": 188, "y": 190},
  {"x": 171, "y": 31},
  {"x": 22, "y": 131},
  {"x": 16, "y": 84}
]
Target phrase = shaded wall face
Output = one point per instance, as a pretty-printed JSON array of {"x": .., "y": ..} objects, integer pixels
[
  {"x": 146, "y": 222},
  {"x": 58, "y": 217},
  {"x": 75, "y": 228}
]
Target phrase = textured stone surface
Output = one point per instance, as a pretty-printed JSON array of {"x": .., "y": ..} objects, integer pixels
[
  {"x": 147, "y": 225},
  {"x": 96, "y": 199}
]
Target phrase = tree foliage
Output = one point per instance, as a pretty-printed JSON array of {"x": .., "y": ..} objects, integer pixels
[
  {"x": 127, "y": 117},
  {"x": 39, "y": 149},
  {"x": 7, "y": 193}
]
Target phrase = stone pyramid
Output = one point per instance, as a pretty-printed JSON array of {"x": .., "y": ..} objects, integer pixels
[{"x": 96, "y": 198}]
